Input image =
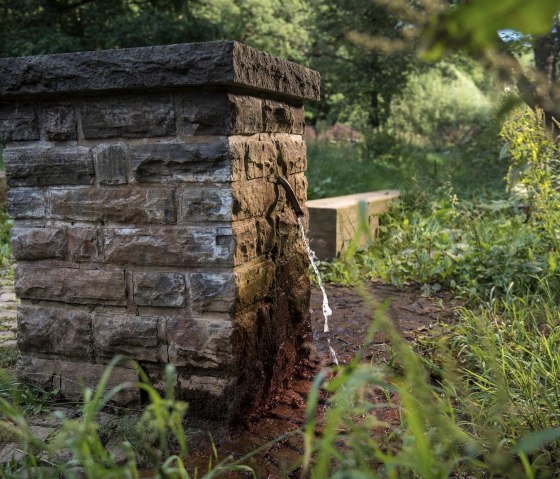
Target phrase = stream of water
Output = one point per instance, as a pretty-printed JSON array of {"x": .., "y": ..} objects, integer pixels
[{"x": 326, "y": 309}]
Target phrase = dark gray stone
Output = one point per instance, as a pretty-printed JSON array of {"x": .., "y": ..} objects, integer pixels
[
  {"x": 132, "y": 336},
  {"x": 159, "y": 289},
  {"x": 128, "y": 116},
  {"x": 213, "y": 292},
  {"x": 82, "y": 244},
  {"x": 192, "y": 64},
  {"x": 180, "y": 162},
  {"x": 38, "y": 243},
  {"x": 205, "y": 203},
  {"x": 51, "y": 166},
  {"x": 186, "y": 246},
  {"x": 26, "y": 203},
  {"x": 65, "y": 332},
  {"x": 110, "y": 164},
  {"x": 18, "y": 122},
  {"x": 134, "y": 206},
  {"x": 59, "y": 122},
  {"x": 70, "y": 285}
]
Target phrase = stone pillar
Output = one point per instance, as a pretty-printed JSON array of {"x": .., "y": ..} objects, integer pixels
[{"x": 148, "y": 223}]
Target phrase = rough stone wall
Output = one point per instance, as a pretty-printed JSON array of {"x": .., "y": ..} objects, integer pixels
[{"x": 148, "y": 224}]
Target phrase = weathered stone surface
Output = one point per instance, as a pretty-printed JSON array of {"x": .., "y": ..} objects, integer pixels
[
  {"x": 37, "y": 371},
  {"x": 205, "y": 203},
  {"x": 82, "y": 244},
  {"x": 26, "y": 203},
  {"x": 260, "y": 159},
  {"x": 74, "y": 376},
  {"x": 65, "y": 332},
  {"x": 38, "y": 166},
  {"x": 132, "y": 336},
  {"x": 246, "y": 241},
  {"x": 253, "y": 282},
  {"x": 210, "y": 63},
  {"x": 208, "y": 396},
  {"x": 212, "y": 292},
  {"x": 179, "y": 162},
  {"x": 128, "y": 116},
  {"x": 135, "y": 206},
  {"x": 200, "y": 343},
  {"x": 197, "y": 386},
  {"x": 169, "y": 246},
  {"x": 292, "y": 154},
  {"x": 110, "y": 163},
  {"x": 38, "y": 243},
  {"x": 279, "y": 117},
  {"x": 18, "y": 121},
  {"x": 59, "y": 122},
  {"x": 70, "y": 285},
  {"x": 253, "y": 198},
  {"x": 159, "y": 289}
]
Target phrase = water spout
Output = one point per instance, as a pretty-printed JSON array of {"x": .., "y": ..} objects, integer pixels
[{"x": 291, "y": 196}]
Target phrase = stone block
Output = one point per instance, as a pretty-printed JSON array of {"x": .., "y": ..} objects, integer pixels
[
  {"x": 18, "y": 122},
  {"x": 292, "y": 154},
  {"x": 254, "y": 282},
  {"x": 205, "y": 203},
  {"x": 132, "y": 336},
  {"x": 38, "y": 243},
  {"x": 253, "y": 198},
  {"x": 59, "y": 122},
  {"x": 279, "y": 117},
  {"x": 260, "y": 159},
  {"x": 159, "y": 289},
  {"x": 82, "y": 244},
  {"x": 26, "y": 203},
  {"x": 246, "y": 241},
  {"x": 200, "y": 343},
  {"x": 70, "y": 285},
  {"x": 110, "y": 163},
  {"x": 37, "y": 371},
  {"x": 181, "y": 162},
  {"x": 60, "y": 331},
  {"x": 121, "y": 205},
  {"x": 50, "y": 166},
  {"x": 74, "y": 376},
  {"x": 129, "y": 116},
  {"x": 212, "y": 292},
  {"x": 186, "y": 246}
]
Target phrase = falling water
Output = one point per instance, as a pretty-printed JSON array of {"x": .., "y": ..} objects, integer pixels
[{"x": 326, "y": 309}]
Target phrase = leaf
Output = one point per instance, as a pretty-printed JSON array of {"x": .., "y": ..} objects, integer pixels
[{"x": 534, "y": 441}]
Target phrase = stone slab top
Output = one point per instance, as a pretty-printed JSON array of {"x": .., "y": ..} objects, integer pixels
[
  {"x": 337, "y": 202},
  {"x": 226, "y": 63}
]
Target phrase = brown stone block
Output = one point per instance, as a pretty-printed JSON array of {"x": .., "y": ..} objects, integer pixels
[
  {"x": 110, "y": 163},
  {"x": 186, "y": 246},
  {"x": 74, "y": 376},
  {"x": 205, "y": 203},
  {"x": 254, "y": 282},
  {"x": 246, "y": 114},
  {"x": 130, "y": 116},
  {"x": 60, "y": 331},
  {"x": 159, "y": 289},
  {"x": 180, "y": 162},
  {"x": 253, "y": 198},
  {"x": 59, "y": 122},
  {"x": 135, "y": 337},
  {"x": 246, "y": 241},
  {"x": 212, "y": 292},
  {"x": 26, "y": 203},
  {"x": 292, "y": 153},
  {"x": 279, "y": 117},
  {"x": 38, "y": 243},
  {"x": 260, "y": 159},
  {"x": 122, "y": 205},
  {"x": 18, "y": 122},
  {"x": 200, "y": 343},
  {"x": 70, "y": 285},
  {"x": 82, "y": 244},
  {"x": 51, "y": 166},
  {"x": 237, "y": 151}
]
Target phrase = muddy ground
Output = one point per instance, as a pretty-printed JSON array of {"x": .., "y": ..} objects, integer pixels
[{"x": 412, "y": 314}]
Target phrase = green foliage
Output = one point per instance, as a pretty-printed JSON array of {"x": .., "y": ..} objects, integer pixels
[{"x": 442, "y": 105}]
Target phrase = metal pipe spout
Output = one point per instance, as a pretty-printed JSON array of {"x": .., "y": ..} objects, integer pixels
[{"x": 291, "y": 196}]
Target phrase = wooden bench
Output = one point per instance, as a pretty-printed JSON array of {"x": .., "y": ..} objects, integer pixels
[{"x": 334, "y": 222}]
